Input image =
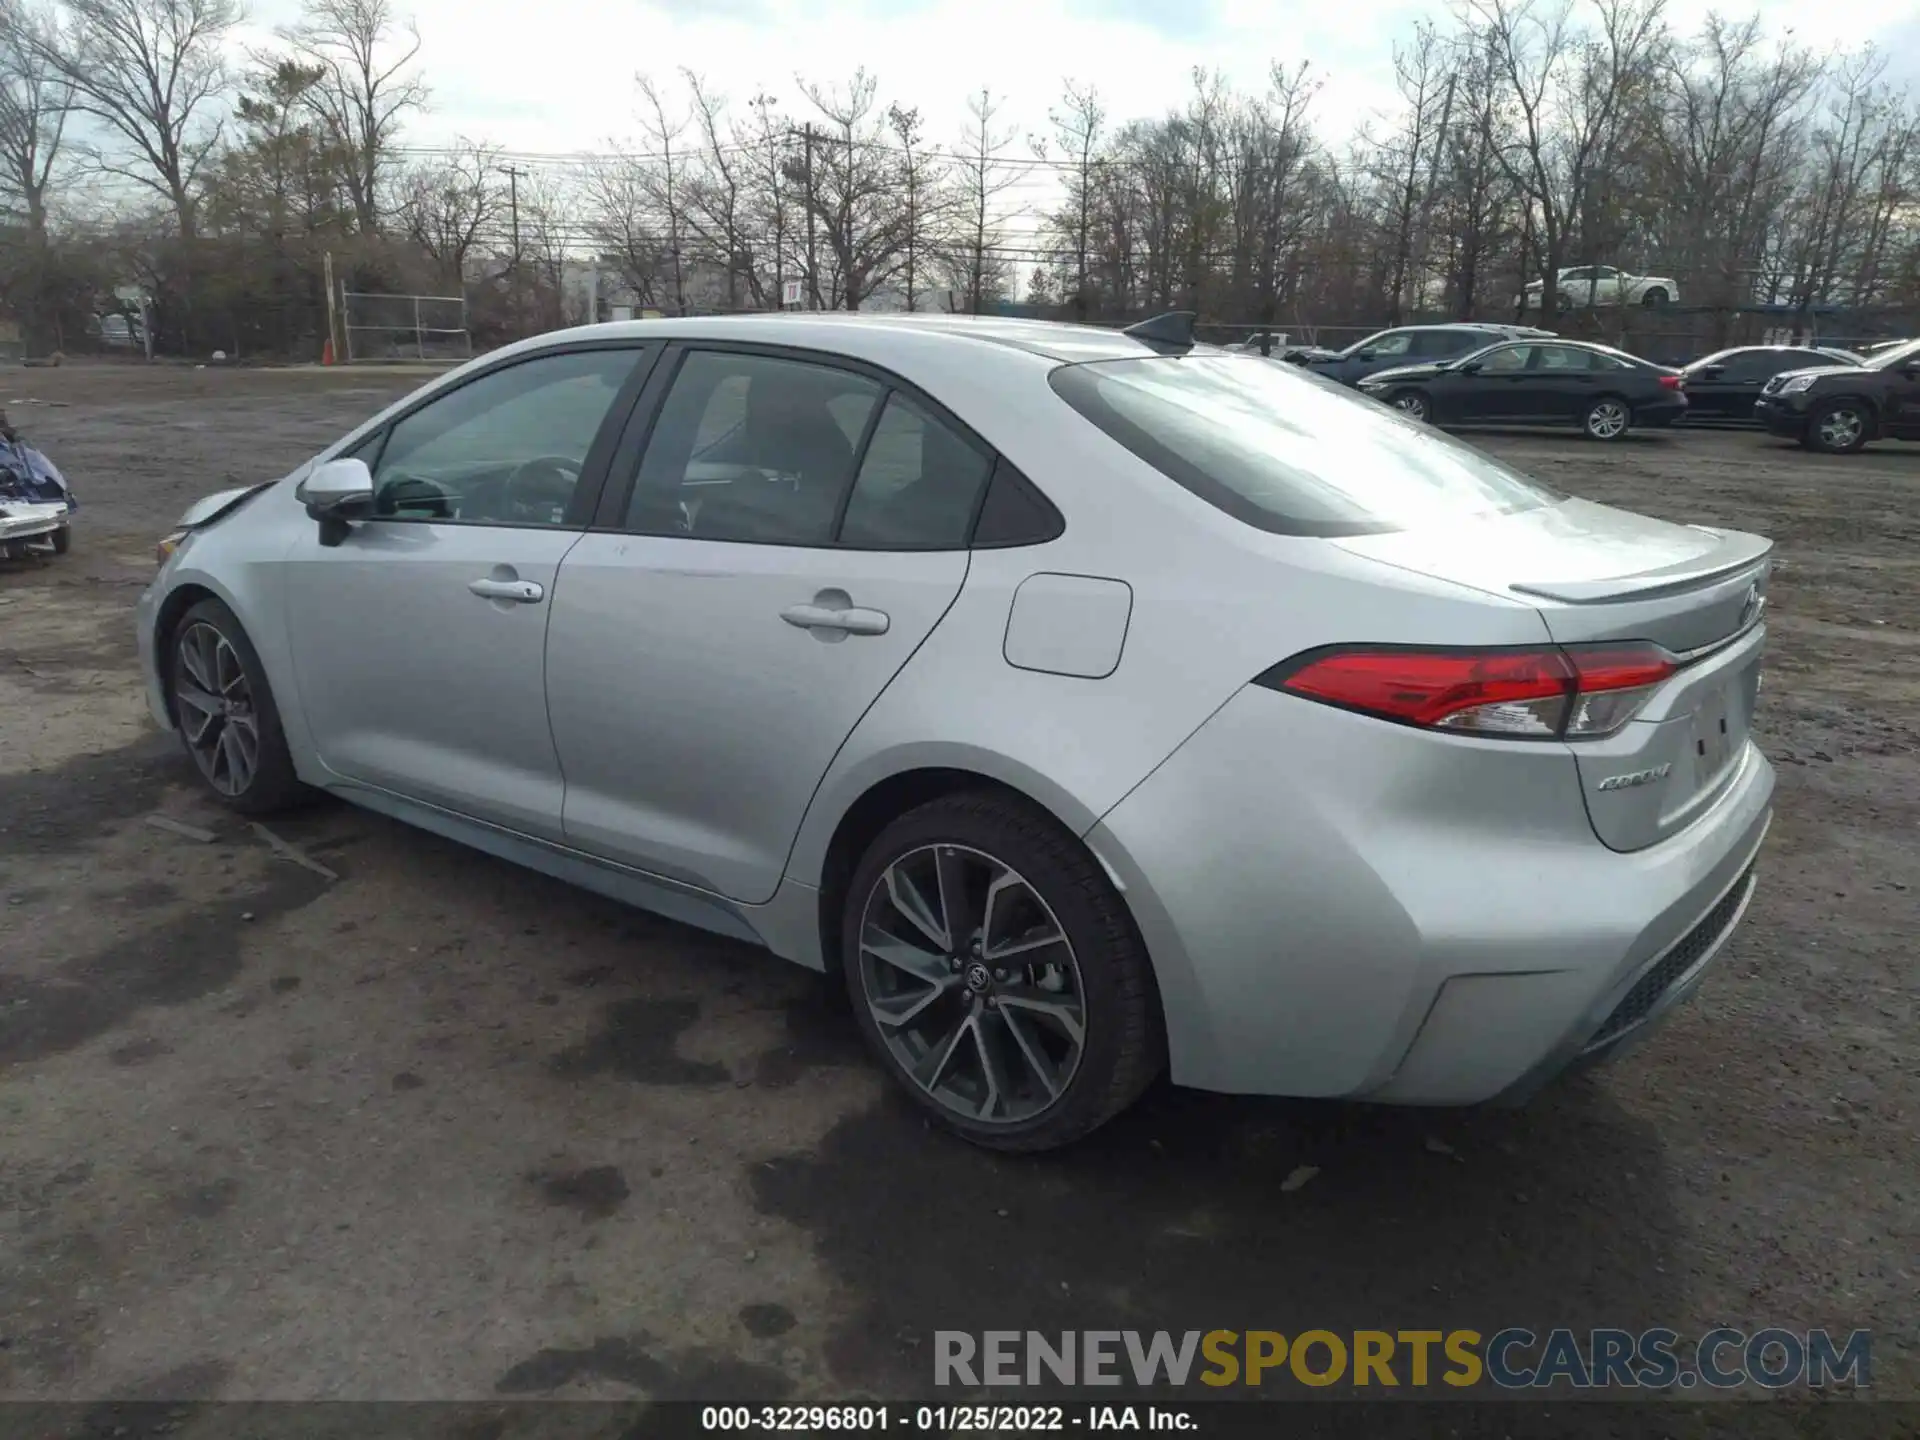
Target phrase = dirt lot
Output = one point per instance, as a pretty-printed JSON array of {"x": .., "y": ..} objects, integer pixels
[{"x": 446, "y": 1129}]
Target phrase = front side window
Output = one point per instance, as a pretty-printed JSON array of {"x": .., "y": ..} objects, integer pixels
[
  {"x": 1506, "y": 360},
  {"x": 1391, "y": 342},
  {"x": 505, "y": 449},
  {"x": 1289, "y": 452},
  {"x": 753, "y": 448},
  {"x": 1562, "y": 358}
]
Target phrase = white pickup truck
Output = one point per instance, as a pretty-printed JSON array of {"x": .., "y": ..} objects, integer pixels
[{"x": 1590, "y": 286}]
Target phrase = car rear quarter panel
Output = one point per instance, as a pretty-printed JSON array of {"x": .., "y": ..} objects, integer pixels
[{"x": 1215, "y": 603}]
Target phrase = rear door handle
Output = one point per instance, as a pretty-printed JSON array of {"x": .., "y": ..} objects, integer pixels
[
  {"x": 852, "y": 619},
  {"x": 523, "y": 592}
]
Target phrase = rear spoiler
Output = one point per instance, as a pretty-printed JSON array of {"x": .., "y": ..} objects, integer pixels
[{"x": 1735, "y": 551}]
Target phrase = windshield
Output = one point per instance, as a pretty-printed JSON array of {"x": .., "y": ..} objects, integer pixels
[
  {"x": 1287, "y": 451},
  {"x": 1898, "y": 355}
]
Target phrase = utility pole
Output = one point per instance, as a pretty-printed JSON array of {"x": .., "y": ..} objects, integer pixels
[{"x": 813, "y": 265}]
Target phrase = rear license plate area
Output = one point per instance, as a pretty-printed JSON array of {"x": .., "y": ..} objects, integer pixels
[{"x": 1719, "y": 726}]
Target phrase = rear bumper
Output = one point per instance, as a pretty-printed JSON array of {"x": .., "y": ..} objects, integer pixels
[
  {"x": 1408, "y": 917},
  {"x": 33, "y": 522}
]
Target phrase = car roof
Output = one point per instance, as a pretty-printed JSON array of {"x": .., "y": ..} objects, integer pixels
[{"x": 868, "y": 333}]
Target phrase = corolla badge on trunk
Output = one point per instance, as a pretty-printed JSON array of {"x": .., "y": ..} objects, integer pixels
[{"x": 1635, "y": 777}]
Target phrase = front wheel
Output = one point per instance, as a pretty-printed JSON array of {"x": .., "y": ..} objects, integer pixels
[
  {"x": 997, "y": 975},
  {"x": 1413, "y": 404},
  {"x": 225, "y": 713},
  {"x": 1608, "y": 418},
  {"x": 62, "y": 540},
  {"x": 1654, "y": 297},
  {"x": 1839, "y": 427}
]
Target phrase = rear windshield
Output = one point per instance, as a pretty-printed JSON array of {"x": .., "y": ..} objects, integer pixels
[{"x": 1288, "y": 451}]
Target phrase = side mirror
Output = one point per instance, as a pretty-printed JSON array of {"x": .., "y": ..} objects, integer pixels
[
  {"x": 1468, "y": 367},
  {"x": 1364, "y": 355},
  {"x": 1709, "y": 371},
  {"x": 336, "y": 494}
]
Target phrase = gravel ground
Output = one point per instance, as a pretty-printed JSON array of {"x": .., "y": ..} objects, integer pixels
[{"x": 444, "y": 1129}]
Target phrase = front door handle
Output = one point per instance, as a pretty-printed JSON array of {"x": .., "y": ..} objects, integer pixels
[
  {"x": 523, "y": 592},
  {"x": 849, "y": 619}
]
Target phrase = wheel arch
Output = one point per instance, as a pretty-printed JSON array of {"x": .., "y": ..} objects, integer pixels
[
  {"x": 892, "y": 795},
  {"x": 189, "y": 590},
  {"x": 182, "y": 598}
]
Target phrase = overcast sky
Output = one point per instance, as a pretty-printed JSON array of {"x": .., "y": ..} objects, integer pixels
[
  {"x": 565, "y": 81},
  {"x": 557, "y": 76}
]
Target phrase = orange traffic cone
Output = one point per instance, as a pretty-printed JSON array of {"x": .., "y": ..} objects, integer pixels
[{"x": 326, "y": 353}]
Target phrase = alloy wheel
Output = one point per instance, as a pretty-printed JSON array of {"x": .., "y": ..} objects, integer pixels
[
  {"x": 214, "y": 704},
  {"x": 1607, "y": 420},
  {"x": 1841, "y": 429},
  {"x": 1412, "y": 405},
  {"x": 972, "y": 983}
]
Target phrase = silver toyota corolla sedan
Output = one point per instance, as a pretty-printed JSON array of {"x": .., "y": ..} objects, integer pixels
[{"x": 1095, "y": 702}]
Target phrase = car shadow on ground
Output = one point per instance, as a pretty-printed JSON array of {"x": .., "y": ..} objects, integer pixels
[
  {"x": 1190, "y": 1211},
  {"x": 1201, "y": 1212}
]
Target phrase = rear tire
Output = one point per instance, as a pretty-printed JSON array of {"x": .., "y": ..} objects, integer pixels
[
  {"x": 1838, "y": 427},
  {"x": 1027, "y": 1050},
  {"x": 1654, "y": 297},
  {"x": 1607, "y": 419},
  {"x": 224, "y": 710}
]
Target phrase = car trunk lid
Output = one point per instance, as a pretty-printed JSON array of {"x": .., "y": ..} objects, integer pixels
[{"x": 1596, "y": 575}]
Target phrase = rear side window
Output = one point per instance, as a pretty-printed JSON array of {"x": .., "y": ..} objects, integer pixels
[
  {"x": 1439, "y": 344},
  {"x": 1288, "y": 452},
  {"x": 918, "y": 486}
]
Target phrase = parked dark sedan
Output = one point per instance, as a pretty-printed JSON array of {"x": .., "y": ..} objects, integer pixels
[
  {"x": 1406, "y": 345},
  {"x": 1723, "y": 386},
  {"x": 1839, "y": 408},
  {"x": 1604, "y": 391}
]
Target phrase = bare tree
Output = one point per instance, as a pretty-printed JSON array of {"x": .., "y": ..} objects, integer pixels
[
  {"x": 1725, "y": 152},
  {"x": 768, "y": 146},
  {"x": 1568, "y": 93},
  {"x": 365, "y": 91},
  {"x": 151, "y": 73},
  {"x": 665, "y": 172},
  {"x": 922, "y": 190},
  {"x": 718, "y": 209},
  {"x": 34, "y": 101},
  {"x": 624, "y": 226},
  {"x": 1079, "y": 129},
  {"x": 546, "y": 200},
  {"x": 1406, "y": 165},
  {"x": 981, "y": 176},
  {"x": 450, "y": 205},
  {"x": 849, "y": 188}
]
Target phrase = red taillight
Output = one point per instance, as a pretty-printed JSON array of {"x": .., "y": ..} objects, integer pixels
[
  {"x": 1545, "y": 694},
  {"x": 1672, "y": 382}
]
